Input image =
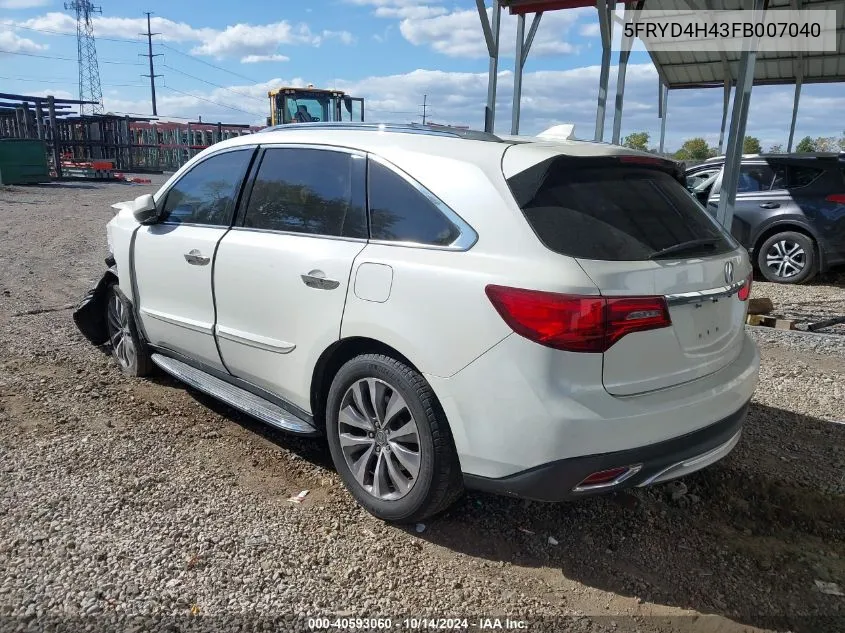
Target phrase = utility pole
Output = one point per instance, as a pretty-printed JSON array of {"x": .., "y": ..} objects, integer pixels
[
  {"x": 424, "y": 106},
  {"x": 150, "y": 56}
]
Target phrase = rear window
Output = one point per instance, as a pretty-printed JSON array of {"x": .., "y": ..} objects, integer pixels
[
  {"x": 616, "y": 213},
  {"x": 802, "y": 176}
]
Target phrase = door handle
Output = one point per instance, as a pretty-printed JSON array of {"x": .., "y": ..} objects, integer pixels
[
  {"x": 196, "y": 258},
  {"x": 769, "y": 205},
  {"x": 317, "y": 279}
]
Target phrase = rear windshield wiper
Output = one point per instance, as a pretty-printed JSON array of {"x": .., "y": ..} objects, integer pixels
[{"x": 690, "y": 245}]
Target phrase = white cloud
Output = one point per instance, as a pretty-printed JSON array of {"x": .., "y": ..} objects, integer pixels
[
  {"x": 236, "y": 41},
  {"x": 344, "y": 37},
  {"x": 590, "y": 30},
  {"x": 248, "y": 39},
  {"x": 129, "y": 28},
  {"x": 23, "y": 4},
  {"x": 400, "y": 9},
  {"x": 419, "y": 12},
  {"x": 14, "y": 43},
  {"x": 255, "y": 59},
  {"x": 459, "y": 34}
]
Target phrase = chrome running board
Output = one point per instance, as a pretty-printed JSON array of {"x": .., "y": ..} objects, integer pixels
[{"x": 243, "y": 400}]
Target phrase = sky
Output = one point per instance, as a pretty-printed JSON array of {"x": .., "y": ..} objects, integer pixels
[{"x": 219, "y": 59}]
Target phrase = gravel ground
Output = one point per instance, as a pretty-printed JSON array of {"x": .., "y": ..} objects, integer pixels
[
  {"x": 123, "y": 499},
  {"x": 822, "y": 298}
]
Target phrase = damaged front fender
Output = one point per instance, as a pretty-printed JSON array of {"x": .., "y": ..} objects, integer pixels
[{"x": 90, "y": 312}]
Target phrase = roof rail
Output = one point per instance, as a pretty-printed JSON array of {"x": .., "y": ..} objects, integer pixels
[{"x": 401, "y": 128}]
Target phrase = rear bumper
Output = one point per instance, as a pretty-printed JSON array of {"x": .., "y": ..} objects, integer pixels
[{"x": 556, "y": 481}]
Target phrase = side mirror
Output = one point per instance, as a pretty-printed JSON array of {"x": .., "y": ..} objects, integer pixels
[{"x": 144, "y": 209}]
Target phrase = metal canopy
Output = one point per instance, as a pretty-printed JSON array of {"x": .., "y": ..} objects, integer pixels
[{"x": 679, "y": 70}]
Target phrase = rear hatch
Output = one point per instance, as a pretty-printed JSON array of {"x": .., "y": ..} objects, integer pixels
[{"x": 634, "y": 229}]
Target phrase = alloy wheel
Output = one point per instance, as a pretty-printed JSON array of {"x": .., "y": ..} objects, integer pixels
[
  {"x": 120, "y": 334},
  {"x": 379, "y": 438},
  {"x": 786, "y": 258}
]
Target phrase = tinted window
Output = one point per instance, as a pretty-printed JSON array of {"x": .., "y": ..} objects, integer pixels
[
  {"x": 399, "y": 212},
  {"x": 761, "y": 178},
  {"x": 312, "y": 191},
  {"x": 207, "y": 193},
  {"x": 802, "y": 176},
  {"x": 613, "y": 213}
]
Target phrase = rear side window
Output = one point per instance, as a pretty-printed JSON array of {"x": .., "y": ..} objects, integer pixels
[
  {"x": 802, "y": 176},
  {"x": 399, "y": 212},
  {"x": 614, "y": 213},
  {"x": 753, "y": 178},
  {"x": 312, "y": 191}
]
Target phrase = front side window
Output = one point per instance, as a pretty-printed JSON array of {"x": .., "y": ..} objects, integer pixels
[
  {"x": 312, "y": 191},
  {"x": 399, "y": 212},
  {"x": 206, "y": 194}
]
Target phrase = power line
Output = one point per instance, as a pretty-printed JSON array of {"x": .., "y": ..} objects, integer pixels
[
  {"x": 222, "y": 105},
  {"x": 211, "y": 83},
  {"x": 63, "y": 82},
  {"x": 202, "y": 61},
  {"x": 52, "y": 32},
  {"x": 424, "y": 106},
  {"x": 66, "y": 59}
]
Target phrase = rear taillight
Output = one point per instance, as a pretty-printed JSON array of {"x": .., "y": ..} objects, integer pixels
[
  {"x": 635, "y": 314},
  {"x": 576, "y": 323},
  {"x": 745, "y": 291},
  {"x": 839, "y": 198}
]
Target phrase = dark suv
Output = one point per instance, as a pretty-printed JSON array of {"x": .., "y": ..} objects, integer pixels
[{"x": 789, "y": 214}]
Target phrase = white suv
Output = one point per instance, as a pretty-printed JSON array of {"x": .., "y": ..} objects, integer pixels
[{"x": 449, "y": 309}]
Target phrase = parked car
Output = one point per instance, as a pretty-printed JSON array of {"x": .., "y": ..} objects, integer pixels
[
  {"x": 789, "y": 214},
  {"x": 447, "y": 309}
]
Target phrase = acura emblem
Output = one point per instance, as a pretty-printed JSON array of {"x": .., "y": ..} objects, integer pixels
[{"x": 729, "y": 273}]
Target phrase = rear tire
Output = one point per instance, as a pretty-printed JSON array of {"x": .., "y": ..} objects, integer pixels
[
  {"x": 390, "y": 441},
  {"x": 128, "y": 349},
  {"x": 788, "y": 258}
]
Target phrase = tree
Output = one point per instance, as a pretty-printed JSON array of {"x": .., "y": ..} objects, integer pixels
[
  {"x": 751, "y": 145},
  {"x": 842, "y": 142},
  {"x": 694, "y": 149},
  {"x": 806, "y": 144},
  {"x": 637, "y": 140},
  {"x": 825, "y": 144},
  {"x": 776, "y": 149}
]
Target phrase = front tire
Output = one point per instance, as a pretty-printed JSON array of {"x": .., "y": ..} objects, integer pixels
[
  {"x": 788, "y": 258},
  {"x": 390, "y": 441},
  {"x": 128, "y": 349}
]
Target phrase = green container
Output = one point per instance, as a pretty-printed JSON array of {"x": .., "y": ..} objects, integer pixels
[{"x": 23, "y": 161}]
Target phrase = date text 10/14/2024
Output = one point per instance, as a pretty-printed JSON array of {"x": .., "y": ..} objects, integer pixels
[{"x": 414, "y": 624}]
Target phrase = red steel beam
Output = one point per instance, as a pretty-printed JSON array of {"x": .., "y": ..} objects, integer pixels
[{"x": 520, "y": 7}]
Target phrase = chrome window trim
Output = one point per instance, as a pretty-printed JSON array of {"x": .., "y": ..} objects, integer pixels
[
  {"x": 467, "y": 236},
  {"x": 700, "y": 296},
  {"x": 340, "y": 238},
  {"x": 326, "y": 147},
  {"x": 162, "y": 195}
]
